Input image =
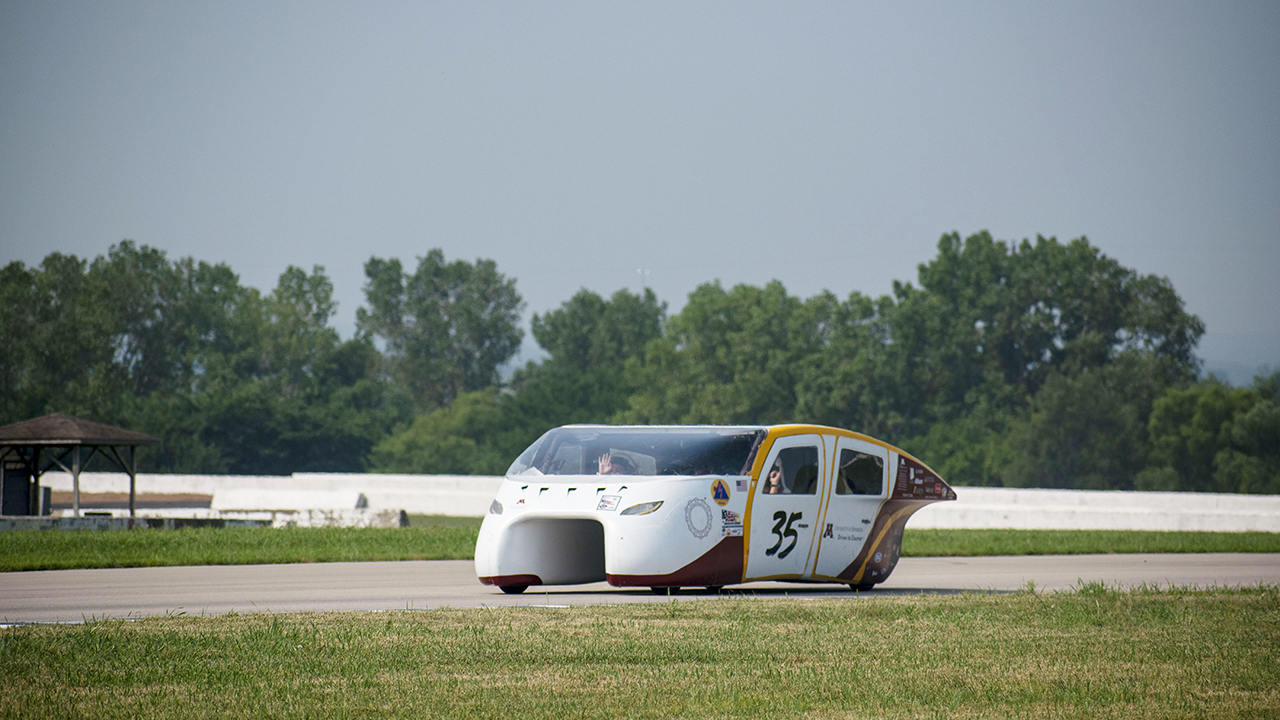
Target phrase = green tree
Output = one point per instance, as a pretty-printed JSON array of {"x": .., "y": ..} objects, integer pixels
[
  {"x": 165, "y": 318},
  {"x": 589, "y": 332},
  {"x": 968, "y": 450},
  {"x": 1251, "y": 463},
  {"x": 57, "y": 350},
  {"x": 590, "y": 340},
  {"x": 455, "y": 440},
  {"x": 1188, "y": 427},
  {"x": 730, "y": 357},
  {"x": 297, "y": 398},
  {"x": 993, "y": 321},
  {"x": 971, "y": 350},
  {"x": 851, "y": 379},
  {"x": 298, "y": 341},
  {"x": 1211, "y": 437},
  {"x": 1085, "y": 430},
  {"x": 447, "y": 328},
  {"x": 229, "y": 380}
]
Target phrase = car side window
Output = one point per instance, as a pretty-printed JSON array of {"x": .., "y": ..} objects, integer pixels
[
  {"x": 860, "y": 474},
  {"x": 794, "y": 472}
]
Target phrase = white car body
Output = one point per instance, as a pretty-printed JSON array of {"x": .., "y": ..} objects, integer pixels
[{"x": 838, "y": 516}]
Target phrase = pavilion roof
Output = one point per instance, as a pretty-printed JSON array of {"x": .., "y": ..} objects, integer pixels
[{"x": 59, "y": 429}]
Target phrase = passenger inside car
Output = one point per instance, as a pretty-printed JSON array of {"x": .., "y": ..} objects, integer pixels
[
  {"x": 794, "y": 472},
  {"x": 860, "y": 474},
  {"x": 610, "y": 464},
  {"x": 773, "y": 483}
]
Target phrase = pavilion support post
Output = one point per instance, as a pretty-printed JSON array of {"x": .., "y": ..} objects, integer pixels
[
  {"x": 75, "y": 482},
  {"x": 133, "y": 480},
  {"x": 34, "y": 473}
]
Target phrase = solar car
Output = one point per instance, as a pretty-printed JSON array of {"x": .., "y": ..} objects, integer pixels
[{"x": 669, "y": 507}]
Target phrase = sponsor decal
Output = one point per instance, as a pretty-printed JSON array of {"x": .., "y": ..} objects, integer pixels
[
  {"x": 520, "y": 501},
  {"x": 847, "y": 533},
  {"x": 878, "y": 556},
  {"x": 720, "y": 492},
  {"x": 609, "y": 503},
  {"x": 697, "y": 516},
  {"x": 918, "y": 482},
  {"x": 743, "y": 485},
  {"x": 731, "y": 523}
]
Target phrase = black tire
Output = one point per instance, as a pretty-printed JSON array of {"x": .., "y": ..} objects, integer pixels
[
  {"x": 715, "y": 588},
  {"x": 513, "y": 589},
  {"x": 861, "y": 587},
  {"x": 666, "y": 590}
]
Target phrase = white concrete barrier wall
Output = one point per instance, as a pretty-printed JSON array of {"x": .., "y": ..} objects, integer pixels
[
  {"x": 461, "y": 495},
  {"x": 1036, "y": 509},
  {"x": 246, "y": 499},
  {"x": 470, "y": 495}
]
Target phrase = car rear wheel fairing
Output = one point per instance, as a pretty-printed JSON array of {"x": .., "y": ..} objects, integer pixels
[{"x": 559, "y": 551}]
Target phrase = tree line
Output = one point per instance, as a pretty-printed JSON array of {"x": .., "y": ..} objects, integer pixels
[{"x": 1031, "y": 364}]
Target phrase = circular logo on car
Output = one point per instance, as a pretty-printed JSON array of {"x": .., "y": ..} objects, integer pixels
[
  {"x": 720, "y": 492},
  {"x": 697, "y": 515}
]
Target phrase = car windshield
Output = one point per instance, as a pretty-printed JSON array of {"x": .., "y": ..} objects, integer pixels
[{"x": 641, "y": 451}]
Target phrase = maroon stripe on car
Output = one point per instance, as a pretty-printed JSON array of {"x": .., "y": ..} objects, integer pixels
[
  {"x": 501, "y": 580},
  {"x": 721, "y": 565}
]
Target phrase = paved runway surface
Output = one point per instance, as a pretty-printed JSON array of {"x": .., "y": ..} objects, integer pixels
[{"x": 74, "y": 595}]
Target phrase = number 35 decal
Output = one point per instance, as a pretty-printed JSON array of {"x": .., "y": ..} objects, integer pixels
[{"x": 782, "y": 518}]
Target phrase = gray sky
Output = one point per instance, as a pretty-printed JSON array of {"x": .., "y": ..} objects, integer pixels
[{"x": 827, "y": 145}]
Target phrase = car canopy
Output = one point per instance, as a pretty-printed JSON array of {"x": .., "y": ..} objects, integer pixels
[{"x": 648, "y": 450}]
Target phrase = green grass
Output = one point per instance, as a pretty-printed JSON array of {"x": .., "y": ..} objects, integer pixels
[
  {"x": 417, "y": 521},
  {"x": 434, "y": 537},
  {"x": 941, "y": 543},
  {"x": 1093, "y": 653},
  {"x": 63, "y": 549}
]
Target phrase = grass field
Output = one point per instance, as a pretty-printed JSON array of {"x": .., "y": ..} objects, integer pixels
[
  {"x": 1092, "y": 653},
  {"x": 447, "y": 538},
  {"x": 942, "y": 543},
  {"x": 52, "y": 549}
]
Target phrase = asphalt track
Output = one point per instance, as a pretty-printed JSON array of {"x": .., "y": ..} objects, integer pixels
[{"x": 77, "y": 595}]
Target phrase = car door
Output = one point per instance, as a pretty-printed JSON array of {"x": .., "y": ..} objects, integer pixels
[
  {"x": 859, "y": 483},
  {"x": 784, "y": 514}
]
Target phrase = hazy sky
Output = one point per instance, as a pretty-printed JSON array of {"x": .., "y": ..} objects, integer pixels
[{"x": 827, "y": 145}]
